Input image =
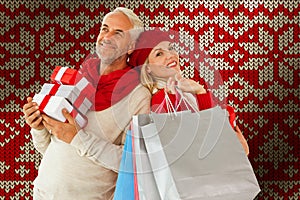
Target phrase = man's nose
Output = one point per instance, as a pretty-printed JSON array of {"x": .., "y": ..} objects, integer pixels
[
  {"x": 105, "y": 37},
  {"x": 108, "y": 35}
]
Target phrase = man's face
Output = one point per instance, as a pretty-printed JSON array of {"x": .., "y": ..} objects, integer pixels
[{"x": 114, "y": 40}]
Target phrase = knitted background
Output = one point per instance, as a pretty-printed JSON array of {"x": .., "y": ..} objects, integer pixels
[{"x": 254, "y": 45}]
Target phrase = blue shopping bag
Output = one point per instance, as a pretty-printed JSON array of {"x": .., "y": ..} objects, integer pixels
[{"x": 125, "y": 182}]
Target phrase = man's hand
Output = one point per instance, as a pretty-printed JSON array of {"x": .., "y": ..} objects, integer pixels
[
  {"x": 32, "y": 115},
  {"x": 63, "y": 131}
]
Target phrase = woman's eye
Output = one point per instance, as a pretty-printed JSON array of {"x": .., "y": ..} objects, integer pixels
[
  {"x": 171, "y": 48},
  {"x": 159, "y": 54}
]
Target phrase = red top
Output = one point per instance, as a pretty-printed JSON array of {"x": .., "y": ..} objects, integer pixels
[{"x": 204, "y": 101}]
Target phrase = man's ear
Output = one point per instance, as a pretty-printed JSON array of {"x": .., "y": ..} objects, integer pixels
[{"x": 131, "y": 48}]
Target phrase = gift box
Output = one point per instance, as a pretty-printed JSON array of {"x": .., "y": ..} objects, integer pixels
[
  {"x": 86, "y": 88},
  {"x": 71, "y": 93},
  {"x": 65, "y": 75},
  {"x": 82, "y": 104},
  {"x": 53, "y": 105}
]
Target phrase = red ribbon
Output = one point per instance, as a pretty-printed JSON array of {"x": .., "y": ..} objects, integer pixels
[
  {"x": 89, "y": 91},
  {"x": 44, "y": 102},
  {"x": 78, "y": 103},
  {"x": 54, "y": 89}
]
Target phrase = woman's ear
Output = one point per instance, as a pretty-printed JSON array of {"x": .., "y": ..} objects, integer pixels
[{"x": 148, "y": 69}]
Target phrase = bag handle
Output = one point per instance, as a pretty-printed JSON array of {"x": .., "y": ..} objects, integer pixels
[
  {"x": 170, "y": 108},
  {"x": 183, "y": 99}
]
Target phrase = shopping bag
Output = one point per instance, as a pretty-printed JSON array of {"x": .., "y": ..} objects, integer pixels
[
  {"x": 196, "y": 155},
  {"x": 125, "y": 182},
  {"x": 145, "y": 187}
]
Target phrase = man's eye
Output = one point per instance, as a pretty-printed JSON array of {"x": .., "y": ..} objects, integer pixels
[
  {"x": 103, "y": 29},
  {"x": 120, "y": 34}
]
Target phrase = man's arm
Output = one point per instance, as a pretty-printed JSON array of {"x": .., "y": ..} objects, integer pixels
[
  {"x": 40, "y": 139},
  {"x": 103, "y": 151},
  {"x": 97, "y": 149},
  {"x": 40, "y": 135}
]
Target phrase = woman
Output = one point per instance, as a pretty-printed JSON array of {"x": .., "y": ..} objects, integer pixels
[{"x": 160, "y": 73}]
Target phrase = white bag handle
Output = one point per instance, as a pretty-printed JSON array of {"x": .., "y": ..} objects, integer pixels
[
  {"x": 183, "y": 99},
  {"x": 170, "y": 108},
  {"x": 212, "y": 136}
]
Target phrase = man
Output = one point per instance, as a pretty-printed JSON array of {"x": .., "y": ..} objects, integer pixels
[{"x": 83, "y": 163}]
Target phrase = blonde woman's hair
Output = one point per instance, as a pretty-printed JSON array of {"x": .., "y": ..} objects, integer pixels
[{"x": 147, "y": 80}]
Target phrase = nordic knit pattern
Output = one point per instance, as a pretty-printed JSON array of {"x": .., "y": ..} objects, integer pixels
[{"x": 249, "y": 49}]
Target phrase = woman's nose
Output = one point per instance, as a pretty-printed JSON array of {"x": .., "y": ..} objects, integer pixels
[{"x": 170, "y": 53}]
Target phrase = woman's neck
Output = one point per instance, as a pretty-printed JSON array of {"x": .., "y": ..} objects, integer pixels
[{"x": 160, "y": 83}]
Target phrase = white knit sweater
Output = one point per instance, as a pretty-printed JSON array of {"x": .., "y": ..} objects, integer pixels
[{"x": 87, "y": 168}]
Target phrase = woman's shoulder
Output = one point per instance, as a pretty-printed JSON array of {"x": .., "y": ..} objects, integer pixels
[{"x": 142, "y": 91}]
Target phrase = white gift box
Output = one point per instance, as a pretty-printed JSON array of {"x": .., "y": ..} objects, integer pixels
[
  {"x": 71, "y": 93},
  {"x": 82, "y": 104},
  {"x": 86, "y": 88},
  {"x": 53, "y": 105}
]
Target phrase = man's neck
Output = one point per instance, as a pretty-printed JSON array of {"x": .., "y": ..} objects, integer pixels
[{"x": 106, "y": 68}]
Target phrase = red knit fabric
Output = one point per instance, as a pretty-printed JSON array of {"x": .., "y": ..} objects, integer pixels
[
  {"x": 111, "y": 88},
  {"x": 252, "y": 47}
]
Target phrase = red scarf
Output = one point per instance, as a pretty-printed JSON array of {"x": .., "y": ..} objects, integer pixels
[{"x": 111, "y": 88}]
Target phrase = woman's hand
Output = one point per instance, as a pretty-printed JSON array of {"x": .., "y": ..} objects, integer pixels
[
  {"x": 189, "y": 85},
  {"x": 170, "y": 87}
]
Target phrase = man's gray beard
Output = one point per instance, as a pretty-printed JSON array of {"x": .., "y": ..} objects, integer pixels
[
  {"x": 106, "y": 60},
  {"x": 109, "y": 59}
]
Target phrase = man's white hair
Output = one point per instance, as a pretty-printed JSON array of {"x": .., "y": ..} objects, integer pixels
[{"x": 138, "y": 25}]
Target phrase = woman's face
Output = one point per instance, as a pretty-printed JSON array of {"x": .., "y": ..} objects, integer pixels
[{"x": 163, "y": 61}]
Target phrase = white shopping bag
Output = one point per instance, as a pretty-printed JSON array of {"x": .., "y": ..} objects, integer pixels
[
  {"x": 197, "y": 156},
  {"x": 146, "y": 187}
]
